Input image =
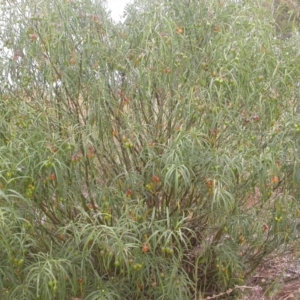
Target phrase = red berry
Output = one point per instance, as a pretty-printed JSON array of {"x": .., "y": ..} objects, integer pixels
[{"x": 156, "y": 179}]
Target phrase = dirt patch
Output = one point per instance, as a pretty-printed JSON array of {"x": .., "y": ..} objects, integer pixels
[{"x": 277, "y": 278}]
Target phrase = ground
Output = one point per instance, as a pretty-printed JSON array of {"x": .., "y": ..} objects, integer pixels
[{"x": 277, "y": 278}]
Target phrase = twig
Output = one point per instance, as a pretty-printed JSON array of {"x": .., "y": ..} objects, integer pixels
[{"x": 228, "y": 292}]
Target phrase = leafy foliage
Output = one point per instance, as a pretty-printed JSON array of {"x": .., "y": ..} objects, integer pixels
[{"x": 155, "y": 159}]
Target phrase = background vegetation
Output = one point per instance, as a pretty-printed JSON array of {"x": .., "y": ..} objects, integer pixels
[{"x": 155, "y": 159}]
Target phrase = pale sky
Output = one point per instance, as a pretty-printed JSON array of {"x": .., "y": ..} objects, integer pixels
[{"x": 117, "y": 8}]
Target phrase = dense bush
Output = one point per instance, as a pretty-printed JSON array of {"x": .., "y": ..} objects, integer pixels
[{"x": 155, "y": 159}]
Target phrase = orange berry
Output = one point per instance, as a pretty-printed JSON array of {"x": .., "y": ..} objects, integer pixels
[
  {"x": 52, "y": 177},
  {"x": 179, "y": 30},
  {"x": 275, "y": 179},
  {"x": 156, "y": 179},
  {"x": 145, "y": 248},
  {"x": 61, "y": 237},
  {"x": 209, "y": 183},
  {"x": 128, "y": 193},
  {"x": 72, "y": 61},
  {"x": 91, "y": 152}
]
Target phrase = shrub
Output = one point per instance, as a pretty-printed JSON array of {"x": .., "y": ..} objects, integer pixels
[{"x": 155, "y": 159}]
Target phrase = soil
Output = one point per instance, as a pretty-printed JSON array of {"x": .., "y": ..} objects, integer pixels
[{"x": 277, "y": 278}]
